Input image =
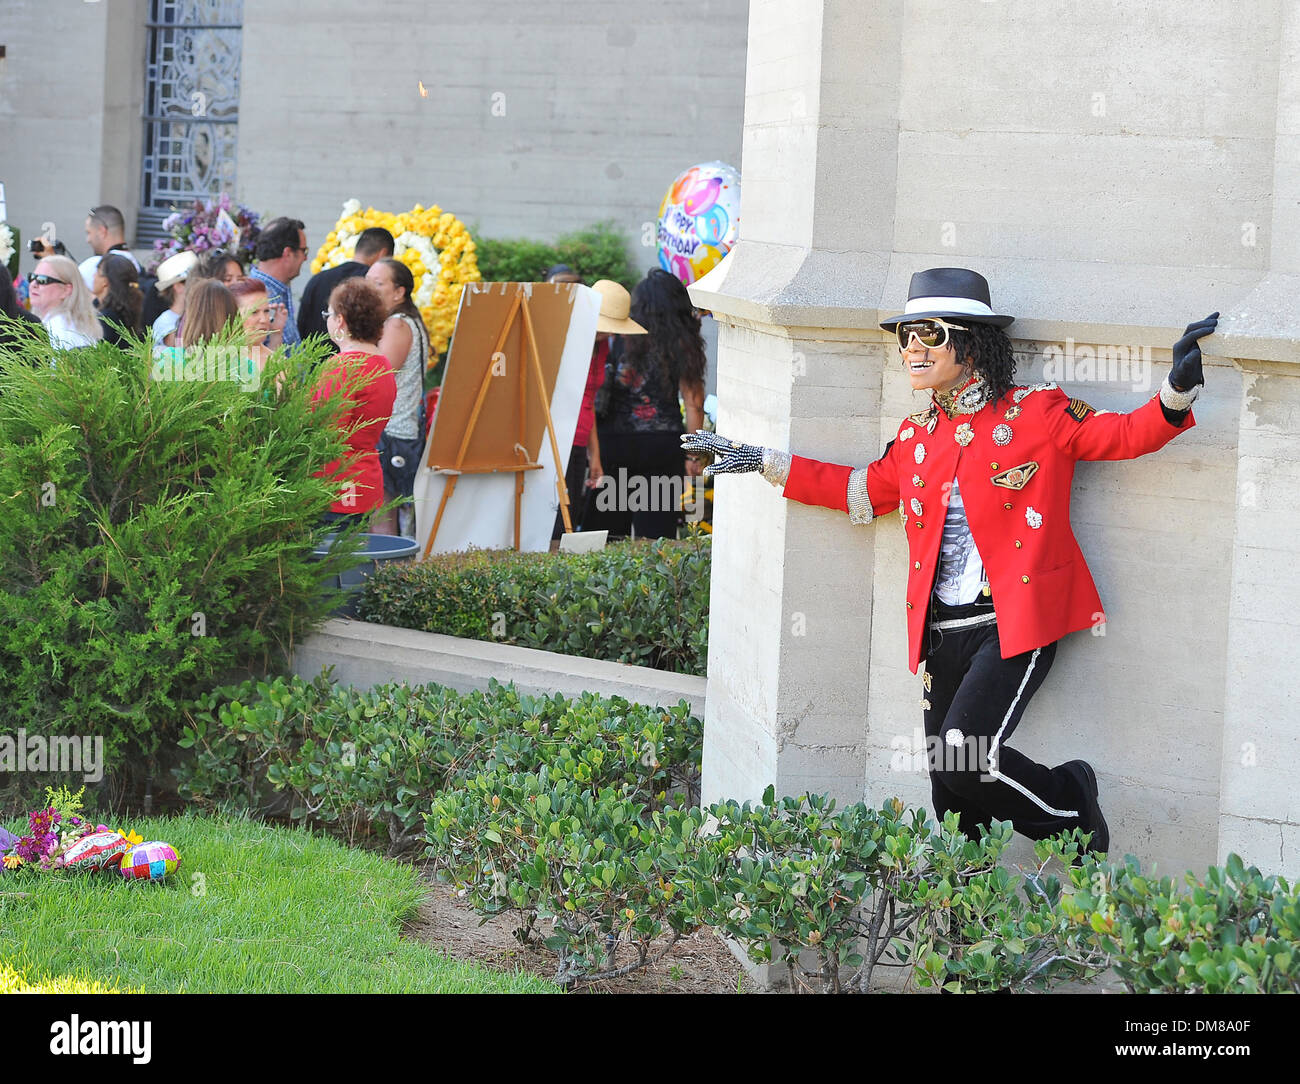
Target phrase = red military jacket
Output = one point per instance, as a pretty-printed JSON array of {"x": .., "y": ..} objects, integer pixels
[{"x": 1014, "y": 461}]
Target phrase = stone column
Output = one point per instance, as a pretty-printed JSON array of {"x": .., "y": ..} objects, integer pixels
[
  {"x": 799, "y": 366},
  {"x": 1259, "y": 806}
]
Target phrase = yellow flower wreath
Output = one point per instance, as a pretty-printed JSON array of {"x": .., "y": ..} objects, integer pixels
[{"x": 433, "y": 243}]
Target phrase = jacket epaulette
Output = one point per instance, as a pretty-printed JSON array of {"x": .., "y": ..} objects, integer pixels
[{"x": 1018, "y": 394}]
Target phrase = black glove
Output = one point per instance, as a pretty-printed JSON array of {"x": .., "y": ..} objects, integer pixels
[
  {"x": 730, "y": 456},
  {"x": 1186, "y": 373}
]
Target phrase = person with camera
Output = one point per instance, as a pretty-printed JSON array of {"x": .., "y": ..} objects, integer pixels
[
  {"x": 995, "y": 579},
  {"x": 281, "y": 251}
]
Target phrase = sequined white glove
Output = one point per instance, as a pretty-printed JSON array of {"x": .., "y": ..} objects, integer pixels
[{"x": 733, "y": 457}]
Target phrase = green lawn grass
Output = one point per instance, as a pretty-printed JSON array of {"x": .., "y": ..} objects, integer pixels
[{"x": 252, "y": 909}]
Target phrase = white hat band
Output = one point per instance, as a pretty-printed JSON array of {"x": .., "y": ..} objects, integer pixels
[{"x": 947, "y": 304}]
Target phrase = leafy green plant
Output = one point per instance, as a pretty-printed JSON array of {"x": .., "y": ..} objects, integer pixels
[
  {"x": 366, "y": 763},
  {"x": 644, "y": 603},
  {"x": 587, "y": 867},
  {"x": 815, "y": 887},
  {"x": 981, "y": 927},
  {"x": 835, "y": 894},
  {"x": 1233, "y": 930},
  {"x": 155, "y": 538},
  {"x": 598, "y": 251}
]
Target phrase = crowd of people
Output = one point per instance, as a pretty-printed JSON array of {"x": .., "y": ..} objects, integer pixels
[{"x": 648, "y": 351}]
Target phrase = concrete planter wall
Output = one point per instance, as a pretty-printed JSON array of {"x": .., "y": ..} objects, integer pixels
[{"x": 364, "y": 655}]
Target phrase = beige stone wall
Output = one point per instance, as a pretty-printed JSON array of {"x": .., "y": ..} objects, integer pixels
[
  {"x": 540, "y": 117},
  {"x": 71, "y": 85}
]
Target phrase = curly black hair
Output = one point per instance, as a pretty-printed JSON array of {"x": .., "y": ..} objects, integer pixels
[{"x": 989, "y": 349}]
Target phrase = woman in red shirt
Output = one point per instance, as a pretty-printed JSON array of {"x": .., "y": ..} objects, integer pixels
[{"x": 355, "y": 321}]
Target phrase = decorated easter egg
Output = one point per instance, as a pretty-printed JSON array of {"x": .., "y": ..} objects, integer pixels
[
  {"x": 99, "y": 850},
  {"x": 150, "y": 861}
]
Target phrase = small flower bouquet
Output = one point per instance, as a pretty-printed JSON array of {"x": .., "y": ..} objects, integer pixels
[
  {"x": 210, "y": 224},
  {"x": 60, "y": 838}
]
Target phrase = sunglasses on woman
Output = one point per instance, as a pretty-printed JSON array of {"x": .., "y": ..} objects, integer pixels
[
  {"x": 930, "y": 332},
  {"x": 43, "y": 280}
]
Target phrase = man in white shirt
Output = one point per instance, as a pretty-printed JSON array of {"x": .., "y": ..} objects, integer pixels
[{"x": 105, "y": 232}]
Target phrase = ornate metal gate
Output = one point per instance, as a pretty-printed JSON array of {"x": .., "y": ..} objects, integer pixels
[{"x": 191, "y": 106}]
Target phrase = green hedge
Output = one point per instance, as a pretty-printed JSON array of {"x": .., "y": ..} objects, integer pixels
[
  {"x": 365, "y": 764},
  {"x": 581, "y": 817},
  {"x": 595, "y": 252},
  {"x": 834, "y": 894},
  {"x": 645, "y": 603}
]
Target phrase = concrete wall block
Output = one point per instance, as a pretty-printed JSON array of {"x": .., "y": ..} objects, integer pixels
[
  {"x": 740, "y": 754},
  {"x": 569, "y": 127},
  {"x": 1272, "y": 846}
]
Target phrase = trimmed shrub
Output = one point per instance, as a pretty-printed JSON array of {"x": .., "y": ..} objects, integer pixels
[
  {"x": 592, "y": 864},
  {"x": 366, "y": 764},
  {"x": 645, "y": 603},
  {"x": 978, "y": 927},
  {"x": 789, "y": 877},
  {"x": 1232, "y": 931},
  {"x": 155, "y": 538}
]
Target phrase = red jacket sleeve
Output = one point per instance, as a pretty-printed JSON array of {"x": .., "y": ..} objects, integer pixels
[
  {"x": 827, "y": 484},
  {"x": 1084, "y": 433}
]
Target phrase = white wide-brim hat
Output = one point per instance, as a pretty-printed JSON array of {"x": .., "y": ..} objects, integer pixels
[{"x": 175, "y": 269}]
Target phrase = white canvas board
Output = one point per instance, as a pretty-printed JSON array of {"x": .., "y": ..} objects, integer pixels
[{"x": 480, "y": 513}]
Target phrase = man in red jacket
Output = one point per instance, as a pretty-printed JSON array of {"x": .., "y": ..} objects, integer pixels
[{"x": 981, "y": 479}]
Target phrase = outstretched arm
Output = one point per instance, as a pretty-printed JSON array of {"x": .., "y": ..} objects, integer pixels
[
  {"x": 1085, "y": 433},
  {"x": 862, "y": 492}
]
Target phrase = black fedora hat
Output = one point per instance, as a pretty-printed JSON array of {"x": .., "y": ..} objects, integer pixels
[{"x": 955, "y": 292}]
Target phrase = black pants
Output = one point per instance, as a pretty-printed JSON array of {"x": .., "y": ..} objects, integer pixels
[
  {"x": 642, "y": 485},
  {"x": 976, "y": 699}
]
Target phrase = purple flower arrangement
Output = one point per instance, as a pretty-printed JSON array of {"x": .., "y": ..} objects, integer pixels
[
  {"x": 51, "y": 830},
  {"x": 48, "y": 835},
  {"x": 210, "y": 224}
]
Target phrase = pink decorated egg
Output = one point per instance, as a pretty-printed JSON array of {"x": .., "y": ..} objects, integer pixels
[
  {"x": 99, "y": 850},
  {"x": 150, "y": 861}
]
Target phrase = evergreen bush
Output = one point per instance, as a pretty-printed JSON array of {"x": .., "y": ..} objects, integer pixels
[{"x": 155, "y": 539}]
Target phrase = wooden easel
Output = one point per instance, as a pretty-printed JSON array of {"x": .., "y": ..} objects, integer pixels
[{"x": 528, "y": 339}]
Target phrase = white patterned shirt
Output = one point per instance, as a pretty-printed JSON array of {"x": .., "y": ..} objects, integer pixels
[{"x": 960, "y": 579}]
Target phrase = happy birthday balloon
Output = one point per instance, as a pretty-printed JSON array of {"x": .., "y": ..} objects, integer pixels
[{"x": 699, "y": 220}]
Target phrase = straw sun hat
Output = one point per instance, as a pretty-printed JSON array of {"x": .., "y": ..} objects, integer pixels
[{"x": 615, "y": 305}]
